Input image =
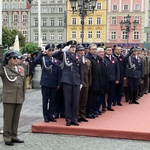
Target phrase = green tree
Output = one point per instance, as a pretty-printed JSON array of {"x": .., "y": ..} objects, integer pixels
[
  {"x": 8, "y": 37},
  {"x": 29, "y": 48}
]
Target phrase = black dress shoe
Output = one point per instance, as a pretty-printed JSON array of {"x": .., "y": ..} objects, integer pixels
[
  {"x": 110, "y": 109},
  {"x": 46, "y": 120},
  {"x": 114, "y": 104},
  {"x": 68, "y": 124},
  {"x": 17, "y": 141},
  {"x": 103, "y": 110},
  {"x": 90, "y": 116},
  {"x": 96, "y": 113},
  {"x": 136, "y": 102},
  {"x": 62, "y": 116},
  {"x": 53, "y": 120},
  {"x": 119, "y": 104},
  {"x": 83, "y": 119},
  {"x": 9, "y": 143},
  {"x": 79, "y": 119},
  {"x": 74, "y": 123}
]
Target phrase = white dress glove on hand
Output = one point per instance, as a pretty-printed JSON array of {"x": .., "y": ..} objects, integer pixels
[
  {"x": 65, "y": 49},
  {"x": 81, "y": 86}
]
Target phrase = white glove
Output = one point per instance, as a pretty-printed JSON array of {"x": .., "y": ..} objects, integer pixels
[
  {"x": 65, "y": 49},
  {"x": 81, "y": 86}
]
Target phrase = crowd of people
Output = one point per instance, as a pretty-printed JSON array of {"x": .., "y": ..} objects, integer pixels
[
  {"x": 78, "y": 82},
  {"x": 82, "y": 81}
]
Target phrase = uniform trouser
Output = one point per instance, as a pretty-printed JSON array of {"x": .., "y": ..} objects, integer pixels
[
  {"x": 28, "y": 79},
  {"x": 100, "y": 100},
  {"x": 111, "y": 93},
  {"x": 11, "y": 119},
  {"x": 82, "y": 102},
  {"x": 59, "y": 102},
  {"x": 118, "y": 92},
  {"x": 71, "y": 95},
  {"x": 133, "y": 84},
  {"x": 146, "y": 83},
  {"x": 90, "y": 102},
  {"x": 48, "y": 97}
]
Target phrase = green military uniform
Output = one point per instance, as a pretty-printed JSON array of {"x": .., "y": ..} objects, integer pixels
[{"x": 13, "y": 95}]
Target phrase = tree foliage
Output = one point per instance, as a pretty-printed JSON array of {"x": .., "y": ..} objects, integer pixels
[
  {"x": 9, "y": 35},
  {"x": 29, "y": 48}
]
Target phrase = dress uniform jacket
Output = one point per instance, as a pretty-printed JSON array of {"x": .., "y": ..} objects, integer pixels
[
  {"x": 49, "y": 77},
  {"x": 71, "y": 74},
  {"x": 138, "y": 72},
  {"x": 13, "y": 90}
]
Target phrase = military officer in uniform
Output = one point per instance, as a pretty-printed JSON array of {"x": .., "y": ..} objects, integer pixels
[
  {"x": 72, "y": 80},
  {"x": 13, "y": 96},
  {"x": 135, "y": 72},
  {"x": 50, "y": 81},
  {"x": 87, "y": 81}
]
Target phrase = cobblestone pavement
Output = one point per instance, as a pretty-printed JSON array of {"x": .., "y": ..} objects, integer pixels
[{"x": 32, "y": 112}]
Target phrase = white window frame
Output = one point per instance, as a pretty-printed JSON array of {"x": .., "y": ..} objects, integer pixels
[
  {"x": 137, "y": 7},
  {"x": 74, "y": 34},
  {"x": 113, "y": 35},
  {"x": 52, "y": 36},
  {"x": 136, "y": 35},
  {"x": 90, "y": 34},
  {"x": 125, "y": 9},
  {"x": 60, "y": 36},
  {"x": 98, "y": 20},
  {"x": 98, "y": 34},
  {"x": 124, "y": 35},
  {"x": 113, "y": 20},
  {"x": 115, "y": 8},
  {"x": 74, "y": 21}
]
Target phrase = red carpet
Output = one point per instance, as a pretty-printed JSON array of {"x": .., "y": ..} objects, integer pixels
[{"x": 130, "y": 121}]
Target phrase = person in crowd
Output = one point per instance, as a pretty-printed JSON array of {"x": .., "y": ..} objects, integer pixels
[
  {"x": 122, "y": 67},
  {"x": 13, "y": 96},
  {"x": 50, "y": 81},
  {"x": 135, "y": 72},
  {"x": 113, "y": 75},
  {"x": 72, "y": 80},
  {"x": 100, "y": 99},
  {"x": 96, "y": 81},
  {"x": 30, "y": 61},
  {"x": 87, "y": 81},
  {"x": 59, "y": 102}
]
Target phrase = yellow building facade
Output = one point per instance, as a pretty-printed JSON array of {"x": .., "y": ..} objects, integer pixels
[{"x": 94, "y": 24}]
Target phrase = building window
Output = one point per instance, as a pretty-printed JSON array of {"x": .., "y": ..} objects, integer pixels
[
  {"x": 73, "y": 21},
  {"x": 44, "y": 10},
  {"x": 137, "y": 7},
  {"x": 60, "y": 22},
  {"x": 113, "y": 35},
  {"x": 81, "y": 34},
  {"x": 15, "y": 18},
  {"x": 36, "y": 36},
  {"x": 114, "y": 8},
  {"x": 36, "y": 22},
  {"x": 60, "y": 10},
  {"x": 5, "y": 18},
  {"x": 21, "y": 5},
  {"x": 52, "y": 36},
  {"x": 136, "y": 35},
  {"x": 13, "y": 5},
  {"x": 137, "y": 19},
  {"x": 60, "y": 36},
  {"x": 89, "y": 34},
  {"x": 98, "y": 34},
  {"x": 44, "y": 22},
  {"x": 90, "y": 21},
  {"x": 98, "y": 21},
  {"x": 73, "y": 34},
  {"x": 113, "y": 20},
  {"x": 44, "y": 35},
  {"x": 125, "y": 7},
  {"x": 149, "y": 21},
  {"x": 99, "y": 6},
  {"x": 124, "y": 35},
  {"x": 5, "y": 6},
  {"x": 24, "y": 33},
  {"x": 52, "y": 22},
  {"x": 24, "y": 18},
  {"x": 148, "y": 37},
  {"x": 52, "y": 10}
]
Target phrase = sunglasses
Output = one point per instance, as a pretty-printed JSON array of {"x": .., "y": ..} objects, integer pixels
[{"x": 14, "y": 57}]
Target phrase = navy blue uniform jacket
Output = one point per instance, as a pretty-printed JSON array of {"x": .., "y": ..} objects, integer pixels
[
  {"x": 49, "y": 78},
  {"x": 71, "y": 75}
]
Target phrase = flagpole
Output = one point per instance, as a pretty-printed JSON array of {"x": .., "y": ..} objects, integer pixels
[{"x": 1, "y": 47}]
